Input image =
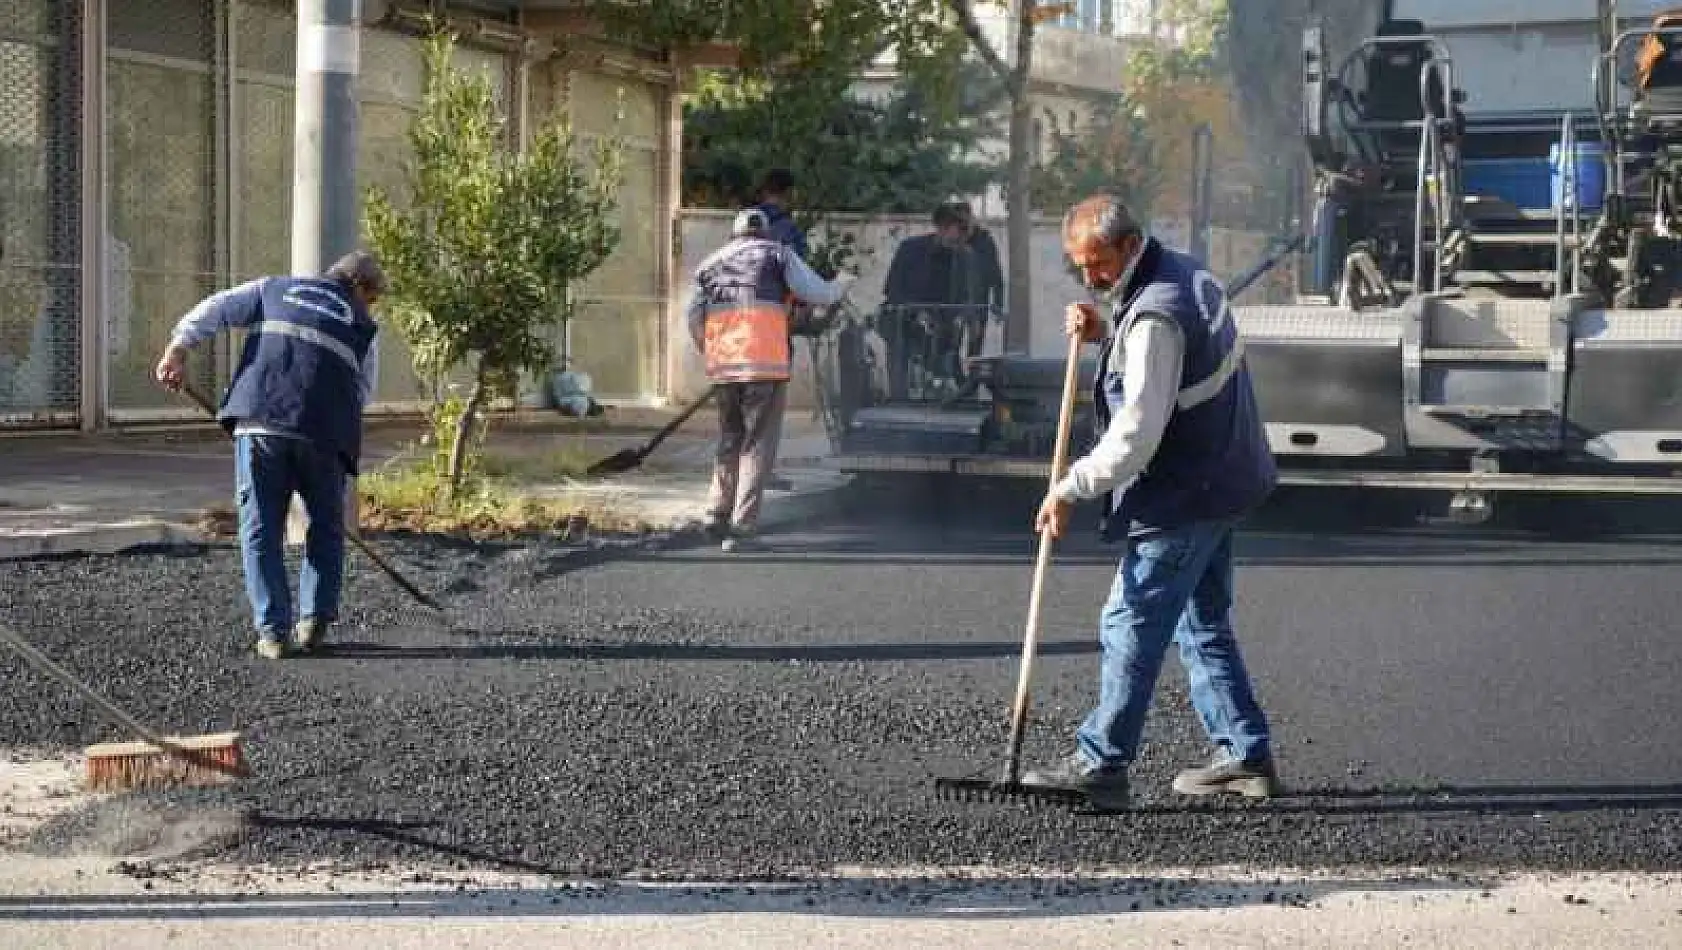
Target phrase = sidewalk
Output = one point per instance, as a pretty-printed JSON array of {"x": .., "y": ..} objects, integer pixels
[{"x": 76, "y": 494}]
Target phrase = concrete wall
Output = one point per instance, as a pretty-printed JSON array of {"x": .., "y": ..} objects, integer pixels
[{"x": 703, "y": 231}]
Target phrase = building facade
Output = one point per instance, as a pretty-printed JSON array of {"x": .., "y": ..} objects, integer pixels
[{"x": 145, "y": 161}]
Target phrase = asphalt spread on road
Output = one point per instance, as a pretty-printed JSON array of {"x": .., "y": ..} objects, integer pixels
[{"x": 1439, "y": 698}]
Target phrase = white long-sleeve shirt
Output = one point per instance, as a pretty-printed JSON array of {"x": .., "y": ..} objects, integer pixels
[{"x": 1151, "y": 359}]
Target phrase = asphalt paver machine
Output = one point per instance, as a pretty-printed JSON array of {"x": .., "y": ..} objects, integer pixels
[{"x": 1488, "y": 269}]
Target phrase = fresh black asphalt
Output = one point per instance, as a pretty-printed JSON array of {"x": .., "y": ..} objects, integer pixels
[{"x": 1495, "y": 696}]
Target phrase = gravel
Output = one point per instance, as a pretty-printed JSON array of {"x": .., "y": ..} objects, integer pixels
[{"x": 777, "y": 716}]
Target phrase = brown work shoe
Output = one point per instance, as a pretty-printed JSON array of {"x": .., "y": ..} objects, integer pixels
[
  {"x": 1105, "y": 788},
  {"x": 310, "y": 633},
  {"x": 1226, "y": 774}
]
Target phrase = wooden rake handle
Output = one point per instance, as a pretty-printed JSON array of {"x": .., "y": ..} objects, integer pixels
[
  {"x": 355, "y": 536},
  {"x": 1042, "y": 562}
]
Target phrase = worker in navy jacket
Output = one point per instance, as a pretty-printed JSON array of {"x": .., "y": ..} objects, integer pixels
[
  {"x": 1182, "y": 460},
  {"x": 295, "y": 410}
]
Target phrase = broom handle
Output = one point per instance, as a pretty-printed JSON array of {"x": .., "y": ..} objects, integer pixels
[
  {"x": 1042, "y": 562},
  {"x": 48, "y": 665},
  {"x": 353, "y": 534}
]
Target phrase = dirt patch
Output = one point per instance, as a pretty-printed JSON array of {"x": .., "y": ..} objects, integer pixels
[{"x": 35, "y": 788}]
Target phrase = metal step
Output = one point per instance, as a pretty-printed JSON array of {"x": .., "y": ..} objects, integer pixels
[
  {"x": 1484, "y": 277},
  {"x": 1529, "y": 239},
  {"x": 1482, "y": 355}
]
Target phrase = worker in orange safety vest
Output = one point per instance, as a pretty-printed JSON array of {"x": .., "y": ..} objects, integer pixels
[{"x": 739, "y": 320}]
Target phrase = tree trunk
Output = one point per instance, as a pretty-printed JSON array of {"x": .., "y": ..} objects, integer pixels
[
  {"x": 1019, "y": 225},
  {"x": 464, "y": 433}
]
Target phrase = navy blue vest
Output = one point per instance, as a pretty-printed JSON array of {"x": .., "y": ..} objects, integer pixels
[
  {"x": 1213, "y": 461},
  {"x": 301, "y": 368}
]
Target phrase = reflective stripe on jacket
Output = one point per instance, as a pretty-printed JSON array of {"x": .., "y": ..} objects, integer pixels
[{"x": 746, "y": 338}]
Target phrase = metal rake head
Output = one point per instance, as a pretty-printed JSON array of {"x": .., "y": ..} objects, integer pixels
[{"x": 982, "y": 791}]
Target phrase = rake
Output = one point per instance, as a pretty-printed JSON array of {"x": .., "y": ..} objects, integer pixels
[
  {"x": 355, "y": 537},
  {"x": 1008, "y": 786}
]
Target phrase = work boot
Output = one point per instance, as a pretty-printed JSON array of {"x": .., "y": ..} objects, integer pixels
[
  {"x": 1104, "y": 787},
  {"x": 270, "y": 646},
  {"x": 1227, "y": 774},
  {"x": 310, "y": 633}
]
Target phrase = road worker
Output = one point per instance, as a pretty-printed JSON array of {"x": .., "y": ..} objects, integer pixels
[
  {"x": 738, "y": 319},
  {"x": 1183, "y": 457},
  {"x": 294, "y": 408}
]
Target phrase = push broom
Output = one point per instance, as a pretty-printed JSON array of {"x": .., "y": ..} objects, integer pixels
[
  {"x": 157, "y": 762},
  {"x": 1009, "y": 785}
]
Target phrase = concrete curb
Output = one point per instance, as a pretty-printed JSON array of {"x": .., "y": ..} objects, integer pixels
[
  {"x": 110, "y": 538},
  {"x": 818, "y": 494}
]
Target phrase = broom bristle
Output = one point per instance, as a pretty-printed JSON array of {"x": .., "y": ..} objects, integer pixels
[{"x": 136, "y": 766}]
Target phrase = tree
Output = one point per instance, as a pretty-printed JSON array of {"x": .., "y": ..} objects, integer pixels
[
  {"x": 1116, "y": 151},
  {"x": 1178, "y": 80},
  {"x": 901, "y": 155},
  {"x": 788, "y": 102},
  {"x": 1013, "y": 74},
  {"x": 486, "y": 250}
]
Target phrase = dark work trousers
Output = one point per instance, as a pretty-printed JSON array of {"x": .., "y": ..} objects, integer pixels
[{"x": 750, "y": 424}]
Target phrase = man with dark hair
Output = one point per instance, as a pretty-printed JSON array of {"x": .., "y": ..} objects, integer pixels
[
  {"x": 776, "y": 191},
  {"x": 294, "y": 408},
  {"x": 1183, "y": 458},
  {"x": 738, "y": 318},
  {"x": 986, "y": 250}
]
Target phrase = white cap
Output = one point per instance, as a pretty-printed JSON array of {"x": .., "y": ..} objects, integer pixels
[{"x": 749, "y": 221}]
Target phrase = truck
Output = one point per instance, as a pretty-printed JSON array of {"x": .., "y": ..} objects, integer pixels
[{"x": 1488, "y": 267}]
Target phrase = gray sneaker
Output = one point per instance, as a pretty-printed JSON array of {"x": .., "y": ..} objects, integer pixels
[
  {"x": 310, "y": 633},
  {"x": 270, "y": 647},
  {"x": 1105, "y": 788},
  {"x": 1226, "y": 774}
]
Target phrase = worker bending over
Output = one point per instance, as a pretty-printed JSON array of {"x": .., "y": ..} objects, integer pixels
[
  {"x": 295, "y": 410},
  {"x": 1182, "y": 459},
  {"x": 738, "y": 318}
]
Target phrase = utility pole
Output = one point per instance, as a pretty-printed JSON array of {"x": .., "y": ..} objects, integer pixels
[{"x": 326, "y": 207}]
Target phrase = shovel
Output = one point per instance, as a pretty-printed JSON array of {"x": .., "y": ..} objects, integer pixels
[{"x": 630, "y": 459}]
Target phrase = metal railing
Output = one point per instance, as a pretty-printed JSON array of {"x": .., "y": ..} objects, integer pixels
[
  {"x": 927, "y": 347},
  {"x": 1568, "y": 193},
  {"x": 1607, "y": 101}
]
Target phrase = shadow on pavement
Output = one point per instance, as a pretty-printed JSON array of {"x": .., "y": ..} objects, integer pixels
[
  {"x": 964, "y": 523},
  {"x": 739, "y": 653},
  {"x": 968, "y": 898},
  {"x": 1487, "y": 800}
]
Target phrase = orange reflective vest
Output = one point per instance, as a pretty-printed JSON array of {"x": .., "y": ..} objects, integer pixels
[{"x": 746, "y": 339}]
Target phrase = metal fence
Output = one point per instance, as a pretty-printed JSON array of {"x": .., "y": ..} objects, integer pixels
[
  {"x": 187, "y": 181},
  {"x": 164, "y": 188},
  {"x": 40, "y": 201}
]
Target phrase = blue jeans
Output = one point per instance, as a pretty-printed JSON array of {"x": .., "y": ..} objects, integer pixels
[
  {"x": 268, "y": 470},
  {"x": 1173, "y": 585}
]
